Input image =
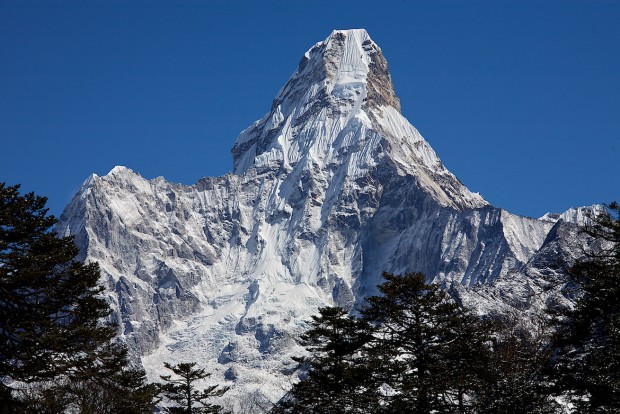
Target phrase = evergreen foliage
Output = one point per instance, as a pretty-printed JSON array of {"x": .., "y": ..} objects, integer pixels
[
  {"x": 49, "y": 303},
  {"x": 182, "y": 392},
  {"x": 337, "y": 379},
  {"x": 587, "y": 343},
  {"x": 51, "y": 321},
  {"x": 409, "y": 352},
  {"x": 513, "y": 376},
  {"x": 422, "y": 347}
]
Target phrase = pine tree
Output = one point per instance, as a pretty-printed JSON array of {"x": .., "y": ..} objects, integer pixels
[
  {"x": 52, "y": 327},
  {"x": 182, "y": 392},
  {"x": 586, "y": 366},
  {"x": 111, "y": 385},
  {"x": 427, "y": 350},
  {"x": 337, "y": 376},
  {"x": 513, "y": 379}
]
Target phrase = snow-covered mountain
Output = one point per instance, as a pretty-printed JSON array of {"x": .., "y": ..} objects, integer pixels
[{"x": 330, "y": 188}]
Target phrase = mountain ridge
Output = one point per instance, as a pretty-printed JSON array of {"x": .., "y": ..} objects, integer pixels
[{"x": 330, "y": 188}]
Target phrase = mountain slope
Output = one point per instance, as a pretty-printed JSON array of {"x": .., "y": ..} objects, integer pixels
[{"x": 330, "y": 188}]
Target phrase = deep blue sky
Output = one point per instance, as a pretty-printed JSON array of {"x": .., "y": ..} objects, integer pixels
[{"x": 520, "y": 99}]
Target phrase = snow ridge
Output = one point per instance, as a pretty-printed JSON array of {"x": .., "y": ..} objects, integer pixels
[{"x": 330, "y": 188}]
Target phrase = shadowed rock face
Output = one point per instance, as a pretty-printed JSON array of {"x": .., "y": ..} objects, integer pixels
[
  {"x": 380, "y": 87},
  {"x": 331, "y": 187}
]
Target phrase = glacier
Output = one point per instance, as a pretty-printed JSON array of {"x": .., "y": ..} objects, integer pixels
[{"x": 330, "y": 188}]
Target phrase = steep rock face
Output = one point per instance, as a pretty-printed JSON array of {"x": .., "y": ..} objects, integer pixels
[
  {"x": 541, "y": 283},
  {"x": 330, "y": 188}
]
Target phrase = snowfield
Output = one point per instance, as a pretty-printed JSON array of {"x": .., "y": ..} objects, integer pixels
[{"x": 330, "y": 188}]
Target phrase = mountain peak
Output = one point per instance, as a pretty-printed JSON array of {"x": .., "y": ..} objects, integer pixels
[
  {"x": 359, "y": 33},
  {"x": 348, "y": 64},
  {"x": 357, "y": 59},
  {"x": 342, "y": 81},
  {"x": 338, "y": 114},
  {"x": 331, "y": 187}
]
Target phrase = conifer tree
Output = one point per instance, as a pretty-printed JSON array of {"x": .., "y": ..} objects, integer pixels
[
  {"x": 586, "y": 365},
  {"x": 337, "y": 374},
  {"x": 52, "y": 327},
  {"x": 513, "y": 379},
  {"x": 110, "y": 386},
  {"x": 182, "y": 392},
  {"x": 415, "y": 350},
  {"x": 427, "y": 350}
]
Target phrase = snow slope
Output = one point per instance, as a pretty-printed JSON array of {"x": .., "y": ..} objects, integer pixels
[{"x": 330, "y": 188}]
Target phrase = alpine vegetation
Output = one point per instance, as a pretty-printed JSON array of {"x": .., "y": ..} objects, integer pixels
[
  {"x": 57, "y": 352},
  {"x": 181, "y": 392}
]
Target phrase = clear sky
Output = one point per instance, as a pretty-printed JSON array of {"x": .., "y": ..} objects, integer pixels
[{"x": 520, "y": 99}]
